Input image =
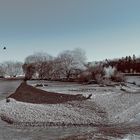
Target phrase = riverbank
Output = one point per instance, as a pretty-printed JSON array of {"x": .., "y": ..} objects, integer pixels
[{"x": 108, "y": 105}]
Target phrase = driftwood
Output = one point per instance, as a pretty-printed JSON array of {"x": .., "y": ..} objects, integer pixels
[{"x": 30, "y": 94}]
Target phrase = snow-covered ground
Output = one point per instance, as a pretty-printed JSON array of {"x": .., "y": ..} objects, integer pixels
[
  {"x": 121, "y": 103},
  {"x": 108, "y": 105},
  {"x": 57, "y": 114}
]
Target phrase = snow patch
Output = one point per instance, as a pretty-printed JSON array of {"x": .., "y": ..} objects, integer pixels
[{"x": 50, "y": 113}]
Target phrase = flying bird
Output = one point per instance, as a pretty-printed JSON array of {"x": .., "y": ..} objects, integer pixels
[{"x": 4, "y": 48}]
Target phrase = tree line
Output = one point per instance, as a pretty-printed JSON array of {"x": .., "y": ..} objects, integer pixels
[
  {"x": 126, "y": 64},
  {"x": 11, "y": 69},
  {"x": 68, "y": 65}
]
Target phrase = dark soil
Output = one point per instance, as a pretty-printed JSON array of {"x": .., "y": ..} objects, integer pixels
[{"x": 30, "y": 94}]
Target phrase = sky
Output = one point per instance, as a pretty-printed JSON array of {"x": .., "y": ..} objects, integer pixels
[{"x": 103, "y": 28}]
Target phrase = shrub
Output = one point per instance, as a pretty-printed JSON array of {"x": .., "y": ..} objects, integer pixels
[
  {"x": 97, "y": 72},
  {"x": 118, "y": 77},
  {"x": 85, "y": 77}
]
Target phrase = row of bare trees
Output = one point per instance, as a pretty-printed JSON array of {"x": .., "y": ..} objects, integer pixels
[
  {"x": 67, "y": 65},
  {"x": 11, "y": 69}
]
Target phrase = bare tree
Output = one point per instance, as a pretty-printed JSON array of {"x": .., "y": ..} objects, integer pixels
[
  {"x": 11, "y": 68},
  {"x": 66, "y": 65},
  {"x": 45, "y": 70},
  {"x": 2, "y": 73},
  {"x": 97, "y": 71},
  {"x": 29, "y": 70},
  {"x": 37, "y": 64},
  {"x": 70, "y": 62},
  {"x": 37, "y": 58}
]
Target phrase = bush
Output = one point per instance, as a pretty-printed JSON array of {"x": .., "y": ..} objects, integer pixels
[
  {"x": 99, "y": 78},
  {"x": 84, "y": 77},
  {"x": 118, "y": 77},
  {"x": 97, "y": 72}
]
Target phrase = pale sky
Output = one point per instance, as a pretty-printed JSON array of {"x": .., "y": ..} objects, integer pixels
[{"x": 103, "y": 28}]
